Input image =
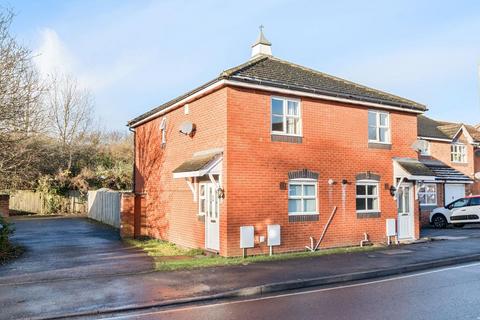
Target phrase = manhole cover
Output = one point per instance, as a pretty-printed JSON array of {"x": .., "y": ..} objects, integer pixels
[{"x": 395, "y": 251}]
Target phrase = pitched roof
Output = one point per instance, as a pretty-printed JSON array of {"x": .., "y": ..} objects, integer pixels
[
  {"x": 274, "y": 72},
  {"x": 196, "y": 163},
  {"x": 415, "y": 167},
  {"x": 445, "y": 173},
  {"x": 430, "y": 128}
]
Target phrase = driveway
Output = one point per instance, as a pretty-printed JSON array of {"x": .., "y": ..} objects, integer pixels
[
  {"x": 468, "y": 231},
  {"x": 70, "y": 248}
]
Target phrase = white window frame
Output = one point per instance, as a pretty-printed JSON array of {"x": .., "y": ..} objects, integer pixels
[
  {"x": 285, "y": 116},
  {"x": 424, "y": 186},
  {"x": 200, "y": 198},
  {"x": 302, "y": 182},
  {"x": 367, "y": 183},
  {"x": 378, "y": 127},
  {"x": 458, "y": 153}
]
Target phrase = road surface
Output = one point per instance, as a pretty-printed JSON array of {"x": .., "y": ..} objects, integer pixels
[{"x": 448, "y": 293}]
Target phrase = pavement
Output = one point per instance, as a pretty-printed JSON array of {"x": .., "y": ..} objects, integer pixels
[
  {"x": 99, "y": 274},
  {"x": 448, "y": 293}
]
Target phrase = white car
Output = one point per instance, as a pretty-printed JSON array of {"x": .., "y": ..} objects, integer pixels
[{"x": 459, "y": 212}]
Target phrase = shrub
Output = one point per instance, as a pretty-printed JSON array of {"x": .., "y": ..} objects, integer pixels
[{"x": 7, "y": 249}]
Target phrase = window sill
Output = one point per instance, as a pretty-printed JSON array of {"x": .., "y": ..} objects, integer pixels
[
  {"x": 364, "y": 215},
  {"x": 303, "y": 217},
  {"x": 460, "y": 163},
  {"x": 286, "y": 138},
  {"x": 273, "y": 133},
  {"x": 379, "y": 145}
]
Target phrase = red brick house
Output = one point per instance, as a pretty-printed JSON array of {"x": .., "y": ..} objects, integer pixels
[
  {"x": 271, "y": 148},
  {"x": 452, "y": 151}
]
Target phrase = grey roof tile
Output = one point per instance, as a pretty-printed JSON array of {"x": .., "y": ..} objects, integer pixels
[
  {"x": 196, "y": 163},
  {"x": 274, "y": 72},
  {"x": 415, "y": 167},
  {"x": 431, "y": 128},
  {"x": 444, "y": 172}
]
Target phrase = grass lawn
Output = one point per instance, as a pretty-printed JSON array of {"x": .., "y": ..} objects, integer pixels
[{"x": 169, "y": 257}]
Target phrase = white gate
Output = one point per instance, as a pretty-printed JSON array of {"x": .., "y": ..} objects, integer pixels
[{"x": 104, "y": 206}]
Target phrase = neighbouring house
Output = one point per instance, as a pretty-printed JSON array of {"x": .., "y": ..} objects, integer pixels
[
  {"x": 452, "y": 151},
  {"x": 272, "y": 145}
]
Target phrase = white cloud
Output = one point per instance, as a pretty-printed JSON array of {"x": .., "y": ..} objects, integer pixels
[{"x": 52, "y": 56}]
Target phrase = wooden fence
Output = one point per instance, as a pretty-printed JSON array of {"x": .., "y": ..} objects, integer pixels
[
  {"x": 104, "y": 206},
  {"x": 37, "y": 203}
]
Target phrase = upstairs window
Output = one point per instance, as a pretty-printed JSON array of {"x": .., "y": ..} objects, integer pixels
[
  {"x": 367, "y": 200},
  {"x": 302, "y": 197},
  {"x": 286, "y": 116},
  {"x": 427, "y": 194},
  {"x": 378, "y": 127},
  {"x": 459, "y": 153}
]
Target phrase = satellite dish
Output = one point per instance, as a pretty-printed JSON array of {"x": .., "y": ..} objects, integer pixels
[
  {"x": 420, "y": 145},
  {"x": 187, "y": 128},
  {"x": 477, "y": 175}
]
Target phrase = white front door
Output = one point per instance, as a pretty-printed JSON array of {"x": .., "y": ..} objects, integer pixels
[
  {"x": 454, "y": 192},
  {"x": 406, "y": 222},
  {"x": 212, "y": 218}
]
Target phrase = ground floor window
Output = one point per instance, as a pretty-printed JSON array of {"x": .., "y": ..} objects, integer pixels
[
  {"x": 202, "y": 199},
  {"x": 427, "y": 194},
  {"x": 367, "y": 200},
  {"x": 302, "y": 196}
]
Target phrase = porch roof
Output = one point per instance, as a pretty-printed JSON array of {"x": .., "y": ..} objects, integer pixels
[
  {"x": 412, "y": 169},
  {"x": 445, "y": 173},
  {"x": 198, "y": 166}
]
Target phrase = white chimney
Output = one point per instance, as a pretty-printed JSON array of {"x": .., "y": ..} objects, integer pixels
[{"x": 262, "y": 46}]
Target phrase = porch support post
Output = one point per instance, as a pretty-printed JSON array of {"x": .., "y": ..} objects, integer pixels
[
  {"x": 397, "y": 187},
  {"x": 212, "y": 179},
  {"x": 193, "y": 188}
]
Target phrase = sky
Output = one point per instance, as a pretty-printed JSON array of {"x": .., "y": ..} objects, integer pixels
[{"x": 135, "y": 55}]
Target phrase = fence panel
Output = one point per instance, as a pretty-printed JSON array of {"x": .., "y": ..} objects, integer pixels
[
  {"x": 26, "y": 201},
  {"x": 37, "y": 203},
  {"x": 104, "y": 206}
]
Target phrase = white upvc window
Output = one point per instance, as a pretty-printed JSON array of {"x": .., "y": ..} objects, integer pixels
[
  {"x": 378, "y": 126},
  {"x": 286, "y": 116},
  {"x": 459, "y": 153},
  {"x": 367, "y": 197},
  {"x": 302, "y": 197},
  {"x": 202, "y": 199},
  {"x": 427, "y": 194}
]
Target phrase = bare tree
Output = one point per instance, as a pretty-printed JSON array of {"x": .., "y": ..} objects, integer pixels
[
  {"x": 20, "y": 111},
  {"x": 70, "y": 112}
]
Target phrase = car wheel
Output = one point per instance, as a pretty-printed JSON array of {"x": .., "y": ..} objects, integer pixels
[
  {"x": 458, "y": 225},
  {"x": 439, "y": 221}
]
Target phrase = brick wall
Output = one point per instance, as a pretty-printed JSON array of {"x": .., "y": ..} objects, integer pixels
[
  {"x": 335, "y": 144},
  {"x": 476, "y": 186},
  {"x": 127, "y": 215},
  {"x": 425, "y": 210},
  {"x": 171, "y": 213},
  {"x": 442, "y": 151},
  {"x": 4, "y": 205}
]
